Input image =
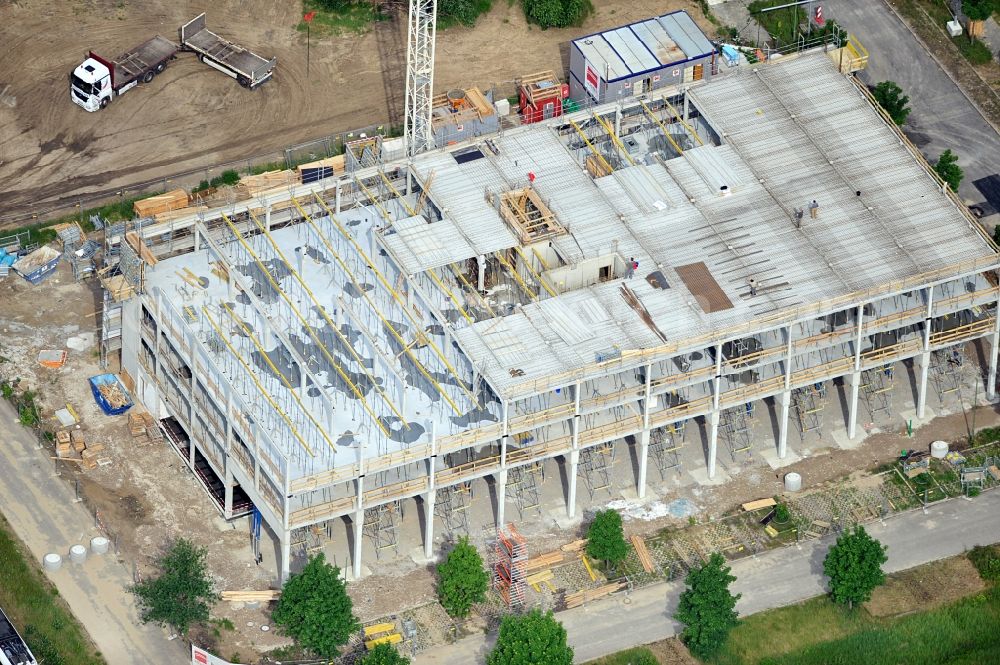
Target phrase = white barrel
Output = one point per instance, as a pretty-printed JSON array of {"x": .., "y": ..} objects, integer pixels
[
  {"x": 78, "y": 554},
  {"x": 51, "y": 562},
  {"x": 939, "y": 449},
  {"x": 99, "y": 545},
  {"x": 793, "y": 482}
]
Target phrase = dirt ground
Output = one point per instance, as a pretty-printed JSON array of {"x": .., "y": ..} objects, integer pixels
[
  {"x": 925, "y": 587},
  {"x": 53, "y": 153}
]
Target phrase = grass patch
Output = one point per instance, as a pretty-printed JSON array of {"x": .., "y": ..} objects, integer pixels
[
  {"x": 781, "y": 24},
  {"x": 44, "y": 620},
  {"x": 636, "y": 656},
  {"x": 112, "y": 212},
  {"x": 340, "y": 18},
  {"x": 973, "y": 50}
]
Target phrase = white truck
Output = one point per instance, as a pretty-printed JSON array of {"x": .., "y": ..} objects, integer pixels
[{"x": 98, "y": 80}]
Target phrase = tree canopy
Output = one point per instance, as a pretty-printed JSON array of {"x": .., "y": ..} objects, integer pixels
[
  {"x": 462, "y": 579},
  {"x": 605, "y": 538},
  {"x": 706, "y": 607},
  {"x": 315, "y": 610},
  {"x": 531, "y": 639},
  {"x": 947, "y": 167},
  {"x": 978, "y": 10},
  {"x": 890, "y": 97},
  {"x": 181, "y": 595},
  {"x": 854, "y": 566},
  {"x": 462, "y": 11},
  {"x": 384, "y": 654},
  {"x": 556, "y": 13}
]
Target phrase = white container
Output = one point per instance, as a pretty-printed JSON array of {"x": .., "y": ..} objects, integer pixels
[
  {"x": 78, "y": 554},
  {"x": 793, "y": 482},
  {"x": 99, "y": 545},
  {"x": 51, "y": 562},
  {"x": 393, "y": 148},
  {"x": 503, "y": 107},
  {"x": 954, "y": 28},
  {"x": 939, "y": 449}
]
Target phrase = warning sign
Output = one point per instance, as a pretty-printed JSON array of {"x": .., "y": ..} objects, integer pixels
[
  {"x": 201, "y": 657},
  {"x": 592, "y": 81}
]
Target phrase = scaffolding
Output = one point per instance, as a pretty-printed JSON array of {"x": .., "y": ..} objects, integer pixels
[
  {"x": 522, "y": 482},
  {"x": 946, "y": 371},
  {"x": 876, "y": 386},
  {"x": 595, "y": 466},
  {"x": 808, "y": 403},
  {"x": 510, "y": 569},
  {"x": 380, "y": 526},
  {"x": 735, "y": 424},
  {"x": 452, "y": 505},
  {"x": 665, "y": 445}
]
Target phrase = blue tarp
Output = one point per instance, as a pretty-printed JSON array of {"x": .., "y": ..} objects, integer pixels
[
  {"x": 8, "y": 260},
  {"x": 109, "y": 380}
]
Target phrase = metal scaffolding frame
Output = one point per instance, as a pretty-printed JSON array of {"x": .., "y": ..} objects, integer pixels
[
  {"x": 665, "y": 444},
  {"x": 451, "y": 504},
  {"x": 735, "y": 426},
  {"x": 808, "y": 403},
  {"x": 946, "y": 369},
  {"x": 522, "y": 482},
  {"x": 596, "y": 467},
  {"x": 876, "y": 386},
  {"x": 380, "y": 526}
]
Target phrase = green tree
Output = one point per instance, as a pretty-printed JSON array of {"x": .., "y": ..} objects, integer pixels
[
  {"x": 605, "y": 538},
  {"x": 706, "y": 607},
  {"x": 462, "y": 579},
  {"x": 947, "y": 167},
  {"x": 854, "y": 566},
  {"x": 978, "y": 10},
  {"x": 182, "y": 594},
  {"x": 384, "y": 654},
  {"x": 463, "y": 11},
  {"x": 996, "y": 234},
  {"x": 531, "y": 639},
  {"x": 891, "y": 98},
  {"x": 556, "y": 13},
  {"x": 315, "y": 610}
]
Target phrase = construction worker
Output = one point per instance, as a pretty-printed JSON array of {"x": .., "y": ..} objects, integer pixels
[{"x": 814, "y": 209}]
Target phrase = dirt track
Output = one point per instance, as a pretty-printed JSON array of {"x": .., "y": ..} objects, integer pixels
[{"x": 52, "y": 152}]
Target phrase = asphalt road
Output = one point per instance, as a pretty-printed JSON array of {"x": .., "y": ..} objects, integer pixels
[
  {"x": 941, "y": 116},
  {"x": 773, "y": 579},
  {"x": 41, "y": 511}
]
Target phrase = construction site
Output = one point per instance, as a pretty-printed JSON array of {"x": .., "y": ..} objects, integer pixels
[{"x": 706, "y": 278}]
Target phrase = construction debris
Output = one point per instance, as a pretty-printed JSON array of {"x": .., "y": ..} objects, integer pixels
[{"x": 53, "y": 359}]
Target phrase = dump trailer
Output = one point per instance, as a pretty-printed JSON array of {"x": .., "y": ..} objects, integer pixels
[
  {"x": 97, "y": 80},
  {"x": 248, "y": 68}
]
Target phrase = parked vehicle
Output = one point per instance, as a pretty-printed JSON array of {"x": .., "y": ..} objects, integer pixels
[
  {"x": 248, "y": 68},
  {"x": 98, "y": 80}
]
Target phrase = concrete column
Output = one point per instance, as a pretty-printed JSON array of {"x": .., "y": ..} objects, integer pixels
[
  {"x": 228, "y": 504},
  {"x": 991, "y": 377},
  {"x": 785, "y": 400},
  {"x": 686, "y": 107},
  {"x": 501, "y": 484},
  {"x": 429, "y": 499},
  {"x": 191, "y": 447},
  {"x": 852, "y": 404},
  {"x": 481, "y": 262},
  {"x": 285, "y": 565},
  {"x": 713, "y": 441},
  {"x": 267, "y": 218},
  {"x": 643, "y": 462},
  {"x": 359, "y": 522},
  {"x": 924, "y": 361},
  {"x": 574, "y": 468}
]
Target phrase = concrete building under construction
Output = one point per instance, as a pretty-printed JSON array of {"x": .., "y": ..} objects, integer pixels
[{"x": 614, "y": 282}]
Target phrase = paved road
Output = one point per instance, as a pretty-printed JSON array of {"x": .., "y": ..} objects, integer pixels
[
  {"x": 776, "y": 578},
  {"x": 40, "y": 508},
  {"x": 941, "y": 116}
]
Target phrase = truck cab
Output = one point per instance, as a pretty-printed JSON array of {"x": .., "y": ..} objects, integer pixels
[{"x": 90, "y": 85}]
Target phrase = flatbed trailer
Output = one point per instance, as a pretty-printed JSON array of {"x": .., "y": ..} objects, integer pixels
[
  {"x": 98, "y": 80},
  {"x": 248, "y": 68}
]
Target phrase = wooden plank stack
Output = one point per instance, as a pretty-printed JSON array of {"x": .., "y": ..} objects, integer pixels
[
  {"x": 758, "y": 504},
  {"x": 154, "y": 205},
  {"x": 255, "y": 184},
  {"x": 113, "y": 394},
  {"x": 171, "y": 215},
  {"x": 543, "y": 561},
  {"x": 574, "y": 546},
  {"x": 143, "y": 428},
  {"x": 643, "y": 553},
  {"x": 78, "y": 441},
  {"x": 580, "y": 597},
  {"x": 251, "y": 596}
]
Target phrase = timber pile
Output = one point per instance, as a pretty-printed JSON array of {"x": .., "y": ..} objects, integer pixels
[
  {"x": 575, "y": 546},
  {"x": 580, "y": 597},
  {"x": 251, "y": 596},
  {"x": 171, "y": 215},
  {"x": 255, "y": 184},
  {"x": 154, "y": 205},
  {"x": 143, "y": 428},
  {"x": 758, "y": 504},
  {"x": 78, "y": 440},
  {"x": 113, "y": 395},
  {"x": 542, "y": 561},
  {"x": 644, "y": 558},
  {"x": 322, "y": 168}
]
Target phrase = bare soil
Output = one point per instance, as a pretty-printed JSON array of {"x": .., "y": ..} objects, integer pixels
[
  {"x": 191, "y": 117},
  {"x": 925, "y": 587}
]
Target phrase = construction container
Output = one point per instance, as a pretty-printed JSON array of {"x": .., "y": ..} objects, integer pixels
[
  {"x": 78, "y": 554},
  {"x": 793, "y": 482},
  {"x": 110, "y": 394},
  {"x": 99, "y": 545},
  {"x": 51, "y": 562},
  {"x": 38, "y": 265},
  {"x": 939, "y": 449}
]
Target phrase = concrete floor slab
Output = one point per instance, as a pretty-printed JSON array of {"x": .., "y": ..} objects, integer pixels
[
  {"x": 701, "y": 477},
  {"x": 770, "y": 456}
]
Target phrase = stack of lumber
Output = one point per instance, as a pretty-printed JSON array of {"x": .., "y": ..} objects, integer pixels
[
  {"x": 543, "y": 561},
  {"x": 155, "y": 205},
  {"x": 758, "y": 504},
  {"x": 78, "y": 440},
  {"x": 640, "y": 550},
  {"x": 113, "y": 394},
  {"x": 63, "y": 443},
  {"x": 575, "y": 546},
  {"x": 255, "y": 184},
  {"x": 171, "y": 215},
  {"x": 580, "y": 597},
  {"x": 544, "y": 577},
  {"x": 251, "y": 596},
  {"x": 323, "y": 168},
  {"x": 143, "y": 428}
]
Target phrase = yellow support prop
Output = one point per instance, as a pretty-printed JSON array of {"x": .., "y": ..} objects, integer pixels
[
  {"x": 385, "y": 322},
  {"x": 263, "y": 354},
  {"x": 451, "y": 296},
  {"x": 375, "y": 201},
  {"x": 590, "y": 145},
  {"x": 399, "y": 197},
  {"x": 458, "y": 275},
  {"x": 534, "y": 275},
  {"x": 540, "y": 258},
  {"x": 395, "y": 295},
  {"x": 274, "y": 405},
  {"x": 663, "y": 129},
  {"x": 322, "y": 311},
  {"x": 590, "y": 571},
  {"x": 513, "y": 272},
  {"x": 609, "y": 130},
  {"x": 312, "y": 333},
  {"x": 683, "y": 121}
]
